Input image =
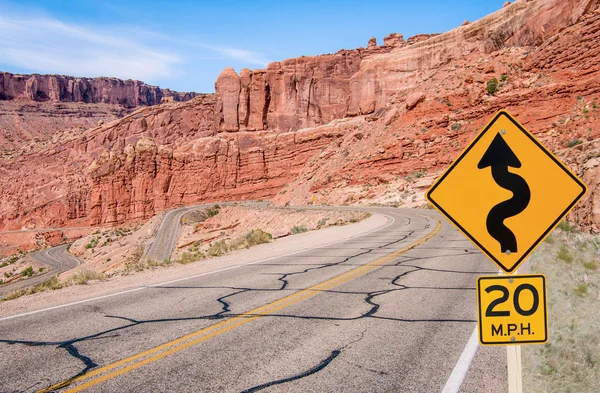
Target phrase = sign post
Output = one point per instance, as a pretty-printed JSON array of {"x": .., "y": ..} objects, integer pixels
[{"x": 506, "y": 192}]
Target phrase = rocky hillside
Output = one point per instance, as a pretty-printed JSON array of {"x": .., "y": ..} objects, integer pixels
[
  {"x": 358, "y": 126},
  {"x": 59, "y": 88},
  {"x": 35, "y": 109}
]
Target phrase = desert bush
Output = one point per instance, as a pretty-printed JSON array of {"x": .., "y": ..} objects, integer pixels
[
  {"x": 564, "y": 254},
  {"x": 322, "y": 222},
  {"x": 27, "y": 272},
  {"x": 82, "y": 276},
  {"x": 258, "y": 236},
  {"x": 581, "y": 289},
  {"x": 574, "y": 142},
  {"x": 213, "y": 211},
  {"x": 590, "y": 265},
  {"x": 565, "y": 226},
  {"x": 492, "y": 86},
  {"x": 218, "y": 248},
  {"x": 298, "y": 229}
]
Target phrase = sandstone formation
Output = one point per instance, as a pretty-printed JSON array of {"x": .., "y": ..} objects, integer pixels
[
  {"x": 59, "y": 88},
  {"x": 342, "y": 128}
]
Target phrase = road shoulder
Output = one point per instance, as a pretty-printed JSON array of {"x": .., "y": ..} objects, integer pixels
[{"x": 114, "y": 286}]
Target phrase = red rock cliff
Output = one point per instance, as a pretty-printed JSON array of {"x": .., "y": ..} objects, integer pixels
[{"x": 128, "y": 93}]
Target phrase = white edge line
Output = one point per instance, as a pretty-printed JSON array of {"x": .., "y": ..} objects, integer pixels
[
  {"x": 461, "y": 368},
  {"x": 393, "y": 220},
  {"x": 459, "y": 372}
]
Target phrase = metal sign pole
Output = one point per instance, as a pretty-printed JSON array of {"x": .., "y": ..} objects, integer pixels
[{"x": 513, "y": 362}]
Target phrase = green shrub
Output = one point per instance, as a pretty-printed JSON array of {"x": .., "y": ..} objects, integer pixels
[
  {"x": 189, "y": 257},
  {"x": 549, "y": 239},
  {"x": 590, "y": 265},
  {"x": 492, "y": 86},
  {"x": 564, "y": 254},
  {"x": 581, "y": 289},
  {"x": 298, "y": 229},
  {"x": 455, "y": 127},
  {"x": 504, "y": 78},
  {"x": 218, "y": 248},
  {"x": 566, "y": 227},
  {"x": 574, "y": 142},
  {"x": 82, "y": 276},
  {"x": 322, "y": 222},
  {"x": 258, "y": 236},
  {"x": 213, "y": 211},
  {"x": 27, "y": 272}
]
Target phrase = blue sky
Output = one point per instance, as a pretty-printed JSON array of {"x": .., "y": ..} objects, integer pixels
[{"x": 184, "y": 45}]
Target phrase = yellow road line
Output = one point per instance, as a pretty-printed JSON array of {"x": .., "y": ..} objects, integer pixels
[{"x": 199, "y": 336}]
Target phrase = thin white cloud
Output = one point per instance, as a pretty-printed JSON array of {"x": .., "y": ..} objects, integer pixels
[{"x": 48, "y": 45}]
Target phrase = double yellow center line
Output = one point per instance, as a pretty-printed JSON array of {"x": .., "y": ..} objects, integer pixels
[{"x": 136, "y": 361}]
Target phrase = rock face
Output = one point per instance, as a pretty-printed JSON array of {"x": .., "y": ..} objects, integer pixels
[
  {"x": 334, "y": 126},
  {"x": 58, "y": 88},
  {"x": 523, "y": 23},
  {"x": 292, "y": 94}
]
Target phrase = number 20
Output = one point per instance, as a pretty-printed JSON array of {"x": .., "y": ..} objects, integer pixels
[{"x": 489, "y": 312}]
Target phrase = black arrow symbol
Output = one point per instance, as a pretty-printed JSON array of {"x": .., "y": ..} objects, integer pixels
[{"x": 499, "y": 156}]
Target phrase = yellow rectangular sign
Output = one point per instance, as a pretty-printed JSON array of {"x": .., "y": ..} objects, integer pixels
[{"x": 512, "y": 309}]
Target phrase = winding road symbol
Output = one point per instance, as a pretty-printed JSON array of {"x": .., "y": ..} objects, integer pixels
[
  {"x": 506, "y": 191},
  {"x": 500, "y": 157}
]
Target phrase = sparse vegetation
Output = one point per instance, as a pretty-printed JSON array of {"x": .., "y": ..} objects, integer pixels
[
  {"x": 574, "y": 142},
  {"x": 581, "y": 289},
  {"x": 590, "y": 265},
  {"x": 257, "y": 236},
  {"x": 565, "y": 226},
  {"x": 322, "y": 222},
  {"x": 415, "y": 175},
  {"x": 218, "y": 248},
  {"x": 28, "y": 272},
  {"x": 570, "y": 361},
  {"x": 213, "y": 211},
  {"x": 455, "y": 127},
  {"x": 504, "y": 78},
  {"x": 82, "y": 276},
  {"x": 492, "y": 86},
  {"x": 298, "y": 229},
  {"x": 564, "y": 254}
]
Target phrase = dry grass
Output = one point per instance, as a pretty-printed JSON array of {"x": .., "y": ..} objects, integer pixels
[
  {"x": 570, "y": 361},
  {"x": 81, "y": 277}
]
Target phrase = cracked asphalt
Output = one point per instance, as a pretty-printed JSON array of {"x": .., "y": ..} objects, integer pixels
[{"x": 380, "y": 323}]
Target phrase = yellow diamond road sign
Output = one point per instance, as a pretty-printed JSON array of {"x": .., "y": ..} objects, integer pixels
[
  {"x": 506, "y": 192},
  {"x": 512, "y": 309}
]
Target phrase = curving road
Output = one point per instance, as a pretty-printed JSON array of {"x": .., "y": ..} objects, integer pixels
[
  {"x": 57, "y": 259},
  {"x": 166, "y": 237},
  {"x": 387, "y": 310},
  {"x": 167, "y": 234}
]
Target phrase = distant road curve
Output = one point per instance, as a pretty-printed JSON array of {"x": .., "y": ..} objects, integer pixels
[
  {"x": 166, "y": 238},
  {"x": 58, "y": 261}
]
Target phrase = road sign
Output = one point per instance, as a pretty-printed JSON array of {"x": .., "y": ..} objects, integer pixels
[
  {"x": 506, "y": 192},
  {"x": 512, "y": 309}
]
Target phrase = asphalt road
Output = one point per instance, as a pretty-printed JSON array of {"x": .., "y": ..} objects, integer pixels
[
  {"x": 58, "y": 261},
  {"x": 168, "y": 232},
  {"x": 388, "y": 311}
]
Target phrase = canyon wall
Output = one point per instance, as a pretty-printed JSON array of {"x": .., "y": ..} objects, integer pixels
[
  {"x": 59, "y": 88},
  {"x": 292, "y": 94},
  {"x": 328, "y": 125}
]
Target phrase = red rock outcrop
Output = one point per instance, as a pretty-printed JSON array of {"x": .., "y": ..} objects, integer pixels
[
  {"x": 524, "y": 23},
  {"x": 292, "y": 94},
  {"x": 59, "y": 88}
]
